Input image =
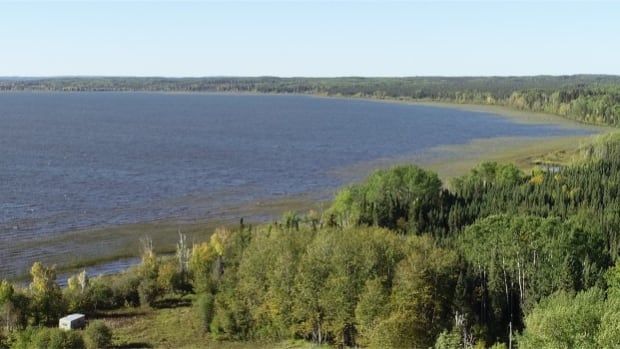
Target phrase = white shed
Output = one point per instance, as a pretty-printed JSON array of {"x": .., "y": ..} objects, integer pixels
[{"x": 72, "y": 321}]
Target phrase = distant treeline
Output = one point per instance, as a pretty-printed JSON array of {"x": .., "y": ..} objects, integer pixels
[{"x": 591, "y": 99}]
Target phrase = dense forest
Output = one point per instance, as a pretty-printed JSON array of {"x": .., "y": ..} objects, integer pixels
[
  {"x": 591, "y": 99},
  {"x": 501, "y": 259}
]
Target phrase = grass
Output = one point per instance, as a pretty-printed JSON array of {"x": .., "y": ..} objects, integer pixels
[
  {"x": 172, "y": 323},
  {"x": 171, "y": 327},
  {"x": 526, "y": 153}
]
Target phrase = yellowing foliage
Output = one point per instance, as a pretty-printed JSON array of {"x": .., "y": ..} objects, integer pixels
[
  {"x": 537, "y": 179},
  {"x": 219, "y": 239}
]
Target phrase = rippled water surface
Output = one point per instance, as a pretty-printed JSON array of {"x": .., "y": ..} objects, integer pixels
[{"x": 76, "y": 160}]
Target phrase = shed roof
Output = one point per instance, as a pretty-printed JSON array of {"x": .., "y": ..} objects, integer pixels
[{"x": 72, "y": 317}]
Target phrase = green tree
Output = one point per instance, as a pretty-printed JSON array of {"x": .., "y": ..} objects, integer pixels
[
  {"x": 370, "y": 309},
  {"x": 201, "y": 264},
  {"x": 6, "y": 305},
  {"x": 521, "y": 259},
  {"x": 332, "y": 277},
  {"x": 47, "y": 301},
  {"x": 398, "y": 198},
  {"x": 564, "y": 321},
  {"x": 421, "y": 300},
  {"x": 76, "y": 294}
]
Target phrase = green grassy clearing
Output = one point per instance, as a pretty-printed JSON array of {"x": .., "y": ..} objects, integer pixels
[{"x": 175, "y": 325}]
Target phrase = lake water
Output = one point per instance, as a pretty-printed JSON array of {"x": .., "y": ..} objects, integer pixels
[{"x": 76, "y": 160}]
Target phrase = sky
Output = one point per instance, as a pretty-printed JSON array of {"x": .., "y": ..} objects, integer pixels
[{"x": 315, "y": 38}]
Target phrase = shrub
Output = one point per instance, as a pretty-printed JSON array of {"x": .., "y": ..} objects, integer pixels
[
  {"x": 171, "y": 279},
  {"x": 181, "y": 284},
  {"x": 204, "y": 309},
  {"x": 101, "y": 296},
  {"x": 59, "y": 339},
  {"x": 449, "y": 340},
  {"x": 125, "y": 289},
  {"x": 76, "y": 296},
  {"x": 97, "y": 335},
  {"x": 4, "y": 344},
  {"x": 148, "y": 292},
  {"x": 47, "y": 338}
]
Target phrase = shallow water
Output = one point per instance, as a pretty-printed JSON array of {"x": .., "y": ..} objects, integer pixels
[
  {"x": 107, "y": 268},
  {"x": 70, "y": 161}
]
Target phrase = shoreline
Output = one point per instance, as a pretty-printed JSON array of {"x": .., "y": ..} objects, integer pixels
[
  {"x": 520, "y": 116},
  {"x": 99, "y": 246}
]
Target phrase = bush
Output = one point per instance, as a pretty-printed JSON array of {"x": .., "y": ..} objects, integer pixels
[
  {"x": 101, "y": 296},
  {"x": 97, "y": 335},
  {"x": 59, "y": 339},
  {"x": 4, "y": 344},
  {"x": 148, "y": 292},
  {"x": 204, "y": 309},
  {"x": 21, "y": 339},
  {"x": 449, "y": 340},
  {"x": 125, "y": 289},
  {"x": 167, "y": 275},
  {"x": 47, "y": 338}
]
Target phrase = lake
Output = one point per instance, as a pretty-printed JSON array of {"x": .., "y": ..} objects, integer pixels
[{"x": 72, "y": 161}]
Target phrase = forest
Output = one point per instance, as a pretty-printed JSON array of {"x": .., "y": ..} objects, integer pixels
[
  {"x": 497, "y": 258},
  {"x": 593, "y": 99}
]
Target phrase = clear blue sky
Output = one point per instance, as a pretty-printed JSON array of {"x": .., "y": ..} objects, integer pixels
[{"x": 308, "y": 38}]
